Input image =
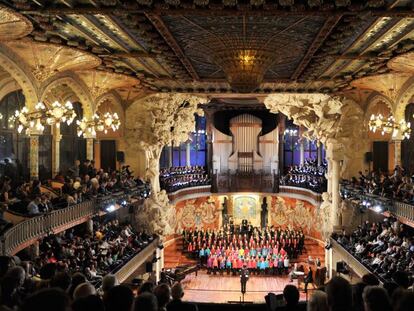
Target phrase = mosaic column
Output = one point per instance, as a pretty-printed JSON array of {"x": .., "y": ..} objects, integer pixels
[
  {"x": 34, "y": 157},
  {"x": 302, "y": 151},
  {"x": 319, "y": 154},
  {"x": 397, "y": 152},
  {"x": 335, "y": 193},
  {"x": 56, "y": 151},
  {"x": 188, "y": 154},
  {"x": 89, "y": 148}
]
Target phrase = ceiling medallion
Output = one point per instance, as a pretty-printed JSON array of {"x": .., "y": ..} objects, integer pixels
[
  {"x": 13, "y": 25},
  {"x": 244, "y": 68}
]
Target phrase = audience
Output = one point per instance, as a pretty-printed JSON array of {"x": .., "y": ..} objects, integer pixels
[
  {"x": 310, "y": 176},
  {"x": 82, "y": 182},
  {"x": 176, "y": 304},
  {"x": 386, "y": 248},
  {"x": 398, "y": 185},
  {"x": 376, "y": 299},
  {"x": 291, "y": 296},
  {"x": 179, "y": 177},
  {"x": 318, "y": 301}
]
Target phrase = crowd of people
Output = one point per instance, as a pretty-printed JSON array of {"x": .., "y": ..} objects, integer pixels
[
  {"x": 310, "y": 175},
  {"x": 76, "y": 261},
  {"x": 81, "y": 182},
  {"x": 179, "y": 177},
  {"x": 262, "y": 251},
  {"x": 386, "y": 248},
  {"x": 398, "y": 185}
]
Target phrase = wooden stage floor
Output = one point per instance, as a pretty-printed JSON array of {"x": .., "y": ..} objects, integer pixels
[{"x": 223, "y": 288}]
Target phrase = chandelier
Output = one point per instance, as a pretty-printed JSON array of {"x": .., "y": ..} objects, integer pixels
[
  {"x": 244, "y": 68},
  {"x": 42, "y": 116},
  {"x": 99, "y": 123},
  {"x": 389, "y": 126}
]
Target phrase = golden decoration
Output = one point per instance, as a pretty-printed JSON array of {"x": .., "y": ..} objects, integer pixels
[
  {"x": 47, "y": 59},
  {"x": 387, "y": 84},
  {"x": 13, "y": 25},
  {"x": 403, "y": 63},
  {"x": 100, "y": 82}
]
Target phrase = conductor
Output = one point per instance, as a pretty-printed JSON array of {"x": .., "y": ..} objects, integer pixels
[{"x": 244, "y": 277}]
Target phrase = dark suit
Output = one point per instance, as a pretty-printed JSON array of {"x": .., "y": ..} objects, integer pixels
[
  {"x": 244, "y": 277},
  {"x": 178, "y": 305}
]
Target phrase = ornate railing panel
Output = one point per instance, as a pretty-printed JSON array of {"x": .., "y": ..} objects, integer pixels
[{"x": 23, "y": 234}]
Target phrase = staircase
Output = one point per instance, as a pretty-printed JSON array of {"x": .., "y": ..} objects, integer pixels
[{"x": 174, "y": 255}]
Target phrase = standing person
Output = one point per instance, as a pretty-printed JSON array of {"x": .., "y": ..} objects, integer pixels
[
  {"x": 74, "y": 170},
  {"x": 244, "y": 277},
  {"x": 308, "y": 279}
]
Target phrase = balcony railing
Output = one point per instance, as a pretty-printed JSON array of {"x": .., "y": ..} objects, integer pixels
[
  {"x": 26, "y": 232},
  {"x": 23, "y": 234},
  {"x": 379, "y": 204}
]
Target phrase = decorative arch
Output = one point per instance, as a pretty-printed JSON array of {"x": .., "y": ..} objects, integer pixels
[
  {"x": 18, "y": 71},
  {"x": 403, "y": 99},
  {"x": 375, "y": 99},
  {"x": 78, "y": 88},
  {"x": 8, "y": 86}
]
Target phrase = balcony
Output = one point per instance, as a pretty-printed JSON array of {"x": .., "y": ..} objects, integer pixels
[
  {"x": 29, "y": 229},
  {"x": 388, "y": 207}
]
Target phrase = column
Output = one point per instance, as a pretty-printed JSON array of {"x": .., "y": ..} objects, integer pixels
[
  {"x": 170, "y": 155},
  {"x": 188, "y": 154},
  {"x": 302, "y": 151},
  {"x": 89, "y": 148},
  {"x": 397, "y": 152},
  {"x": 335, "y": 193},
  {"x": 56, "y": 151},
  {"x": 157, "y": 266},
  {"x": 34, "y": 157},
  {"x": 319, "y": 154}
]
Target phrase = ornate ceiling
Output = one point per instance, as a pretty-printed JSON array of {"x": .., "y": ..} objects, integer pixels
[{"x": 201, "y": 45}]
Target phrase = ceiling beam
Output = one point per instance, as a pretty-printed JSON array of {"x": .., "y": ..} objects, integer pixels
[
  {"x": 82, "y": 9},
  {"x": 324, "y": 32},
  {"x": 160, "y": 26}
]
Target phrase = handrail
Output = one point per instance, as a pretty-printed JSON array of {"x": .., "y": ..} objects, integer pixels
[
  {"x": 353, "y": 261},
  {"x": 22, "y": 234},
  {"x": 396, "y": 208}
]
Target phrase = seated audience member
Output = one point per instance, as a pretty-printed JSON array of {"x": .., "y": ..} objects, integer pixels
[
  {"x": 84, "y": 290},
  {"x": 176, "y": 304},
  {"x": 339, "y": 294},
  {"x": 5, "y": 192},
  {"x": 376, "y": 299},
  {"x": 406, "y": 301},
  {"x": 318, "y": 301},
  {"x": 89, "y": 303},
  {"x": 108, "y": 282},
  {"x": 146, "y": 302},
  {"x": 291, "y": 296},
  {"x": 34, "y": 206},
  {"x": 48, "y": 299},
  {"x": 163, "y": 293},
  {"x": 61, "y": 280},
  {"x": 119, "y": 298},
  {"x": 146, "y": 287}
]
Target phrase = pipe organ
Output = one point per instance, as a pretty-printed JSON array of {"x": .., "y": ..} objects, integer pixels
[{"x": 246, "y": 150}]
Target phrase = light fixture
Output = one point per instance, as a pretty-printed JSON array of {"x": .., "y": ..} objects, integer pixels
[
  {"x": 99, "y": 123},
  {"x": 291, "y": 132},
  {"x": 388, "y": 125},
  {"x": 41, "y": 116}
]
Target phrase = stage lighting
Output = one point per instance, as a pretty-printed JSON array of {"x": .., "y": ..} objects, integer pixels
[
  {"x": 124, "y": 203},
  {"x": 110, "y": 208},
  {"x": 377, "y": 209}
]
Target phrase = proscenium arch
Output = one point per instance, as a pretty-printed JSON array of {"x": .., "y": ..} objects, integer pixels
[
  {"x": 16, "y": 68},
  {"x": 78, "y": 88},
  {"x": 403, "y": 99}
]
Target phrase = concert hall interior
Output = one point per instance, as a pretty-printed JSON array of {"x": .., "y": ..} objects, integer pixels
[{"x": 162, "y": 155}]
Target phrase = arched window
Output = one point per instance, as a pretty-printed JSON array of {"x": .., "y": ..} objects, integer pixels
[
  {"x": 407, "y": 146},
  {"x": 13, "y": 146},
  {"x": 72, "y": 147}
]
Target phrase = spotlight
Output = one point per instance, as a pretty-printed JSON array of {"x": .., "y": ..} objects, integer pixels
[
  {"x": 377, "y": 209},
  {"x": 110, "y": 208},
  {"x": 124, "y": 203}
]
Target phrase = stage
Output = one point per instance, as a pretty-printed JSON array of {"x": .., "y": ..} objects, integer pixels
[{"x": 223, "y": 288}]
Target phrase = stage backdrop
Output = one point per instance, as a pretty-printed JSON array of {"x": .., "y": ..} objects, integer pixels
[{"x": 283, "y": 212}]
